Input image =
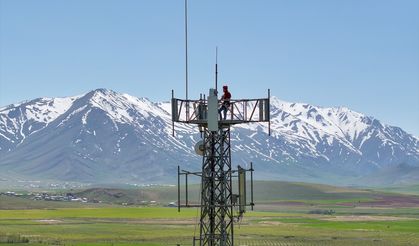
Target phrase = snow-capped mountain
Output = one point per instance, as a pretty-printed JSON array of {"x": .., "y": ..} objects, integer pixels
[{"x": 104, "y": 136}]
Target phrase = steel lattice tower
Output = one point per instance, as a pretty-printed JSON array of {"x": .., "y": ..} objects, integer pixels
[
  {"x": 216, "y": 222},
  {"x": 219, "y": 206}
]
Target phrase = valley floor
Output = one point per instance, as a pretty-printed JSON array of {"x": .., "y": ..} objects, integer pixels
[
  {"x": 309, "y": 215},
  {"x": 165, "y": 226}
]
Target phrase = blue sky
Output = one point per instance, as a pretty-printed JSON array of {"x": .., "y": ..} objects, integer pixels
[{"x": 363, "y": 54}]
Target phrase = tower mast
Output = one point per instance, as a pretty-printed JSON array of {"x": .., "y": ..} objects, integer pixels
[{"x": 218, "y": 203}]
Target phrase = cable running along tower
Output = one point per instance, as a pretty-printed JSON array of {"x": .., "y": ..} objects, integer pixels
[{"x": 221, "y": 204}]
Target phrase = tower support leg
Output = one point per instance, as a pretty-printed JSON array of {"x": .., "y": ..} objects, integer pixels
[{"x": 216, "y": 222}]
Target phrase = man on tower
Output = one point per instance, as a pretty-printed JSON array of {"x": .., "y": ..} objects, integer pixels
[{"x": 225, "y": 102}]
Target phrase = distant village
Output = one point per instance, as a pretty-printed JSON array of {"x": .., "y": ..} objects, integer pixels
[
  {"x": 37, "y": 184},
  {"x": 71, "y": 197},
  {"x": 68, "y": 197}
]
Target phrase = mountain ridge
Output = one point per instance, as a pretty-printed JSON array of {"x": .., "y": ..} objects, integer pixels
[{"x": 103, "y": 135}]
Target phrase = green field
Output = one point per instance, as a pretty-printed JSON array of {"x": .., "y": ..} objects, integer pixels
[
  {"x": 165, "y": 226},
  {"x": 358, "y": 217}
]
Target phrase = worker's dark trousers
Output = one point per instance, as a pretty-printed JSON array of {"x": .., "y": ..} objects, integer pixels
[{"x": 224, "y": 109}]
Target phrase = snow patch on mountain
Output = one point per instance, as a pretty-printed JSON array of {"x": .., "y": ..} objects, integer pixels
[{"x": 17, "y": 121}]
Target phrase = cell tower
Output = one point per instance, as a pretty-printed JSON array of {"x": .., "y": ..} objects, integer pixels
[{"x": 220, "y": 208}]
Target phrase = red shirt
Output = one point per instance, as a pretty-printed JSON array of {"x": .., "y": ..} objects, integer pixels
[{"x": 226, "y": 96}]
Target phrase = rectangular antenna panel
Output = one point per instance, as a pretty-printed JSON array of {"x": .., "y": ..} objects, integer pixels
[
  {"x": 264, "y": 109},
  {"x": 201, "y": 111},
  {"x": 261, "y": 110},
  {"x": 175, "y": 116},
  {"x": 242, "y": 190},
  {"x": 267, "y": 110},
  {"x": 212, "y": 111}
]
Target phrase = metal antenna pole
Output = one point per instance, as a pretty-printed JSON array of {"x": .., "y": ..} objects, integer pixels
[
  {"x": 186, "y": 57},
  {"x": 216, "y": 69},
  {"x": 173, "y": 122},
  {"x": 269, "y": 105}
]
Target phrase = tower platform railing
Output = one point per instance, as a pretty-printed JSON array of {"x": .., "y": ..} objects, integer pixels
[{"x": 238, "y": 111}]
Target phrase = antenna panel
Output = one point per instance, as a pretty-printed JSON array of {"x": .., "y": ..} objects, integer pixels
[
  {"x": 175, "y": 115},
  {"x": 212, "y": 111},
  {"x": 242, "y": 190}
]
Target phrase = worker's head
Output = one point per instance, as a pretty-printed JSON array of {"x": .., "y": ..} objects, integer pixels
[{"x": 225, "y": 88}]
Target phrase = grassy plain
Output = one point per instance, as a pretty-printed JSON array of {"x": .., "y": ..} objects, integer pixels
[{"x": 372, "y": 218}]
